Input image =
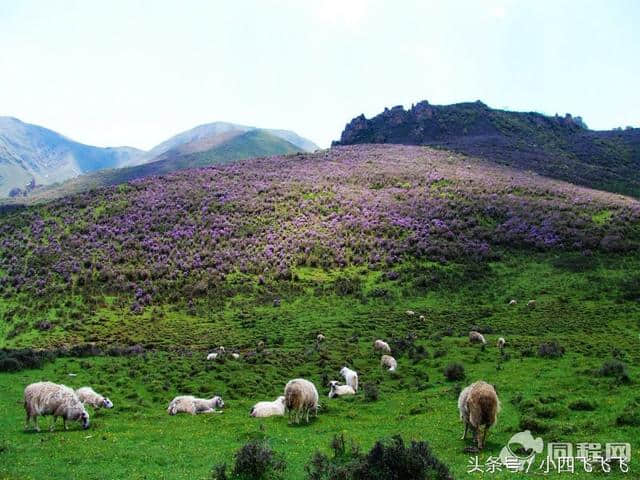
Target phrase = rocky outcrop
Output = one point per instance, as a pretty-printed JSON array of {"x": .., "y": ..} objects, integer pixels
[{"x": 558, "y": 146}]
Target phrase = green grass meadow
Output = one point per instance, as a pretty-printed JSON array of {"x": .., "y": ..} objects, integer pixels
[{"x": 590, "y": 307}]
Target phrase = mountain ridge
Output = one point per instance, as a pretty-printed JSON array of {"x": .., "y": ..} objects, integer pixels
[
  {"x": 558, "y": 147},
  {"x": 32, "y": 156}
]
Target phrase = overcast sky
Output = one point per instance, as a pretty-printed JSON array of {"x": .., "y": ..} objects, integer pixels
[{"x": 136, "y": 72}]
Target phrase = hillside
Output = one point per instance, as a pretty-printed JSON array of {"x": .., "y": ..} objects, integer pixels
[
  {"x": 558, "y": 147},
  {"x": 130, "y": 286},
  {"x": 29, "y": 152}
]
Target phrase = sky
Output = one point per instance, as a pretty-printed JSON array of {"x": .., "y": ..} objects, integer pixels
[{"x": 137, "y": 72}]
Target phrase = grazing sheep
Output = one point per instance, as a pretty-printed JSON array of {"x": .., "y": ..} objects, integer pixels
[
  {"x": 381, "y": 346},
  {"x": 513, "y": 301},
  {"x": 301, "y": 397},
  {"x": 476, "y": 337},
  {"x": 501, "y": 343},
  {"x": 193, "y": 405},
  {"x": 388, "y": 362},
  {"x": 531, "y": 303},
  {"x": 212, "y": 356},
  {"x": 410, "y": 313},
  {"x": 269, "y": 409},
  {"x": 351, "y": 377},
  {"x": 47, "y": 398},
  {"x": 221, "y": 349},
  {"x": 338, "y": 390},
  {"x": 320, "y": 338},
  {"x": 422, "y": 318},
  {"x": 88, "y": 396},
  {"x": 479, "y": 407}
]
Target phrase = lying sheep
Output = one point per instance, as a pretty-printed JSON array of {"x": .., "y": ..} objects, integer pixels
[
  {"x": 381, "y": 346},
  {"x": 351, "y": 377},
  {"x": 531, "y": 303},
  {"x": 47, "y": 398},
  {"x": 501, "y": 342},
  {"x": 479, "y": 407},
  {"x": 269, "y": 409},
  {"x": 513, "y": 301},
  {"x": 387, "y": 361},
  {"x": 338, "y": 390},
  {"x": 88, "y": 396},
  {"x": 235, "y": 356},
  {"x": 193, "y": 405},
  {"x": 212, "y": 356},
  {"x": 476, "y": 337},
  {"x": 301, "y": 397},
  {"x": 410, "y": 313}
]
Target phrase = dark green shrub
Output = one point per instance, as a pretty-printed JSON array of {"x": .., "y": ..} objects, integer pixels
[
  {"x": 550, "y": 350},
  {"x": 257, "y": 461},
  {"x": 616, "y": 369},
  {"x": 454, "y": 372},
  {"x": 370, "y": 392},
  {"x": 388, "y": 459},
  {"x": 582, "y": 405},
  {"x": 347, "y": 285}
]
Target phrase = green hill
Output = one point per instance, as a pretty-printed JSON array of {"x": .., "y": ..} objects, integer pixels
[{"x": 127, "y": 288}]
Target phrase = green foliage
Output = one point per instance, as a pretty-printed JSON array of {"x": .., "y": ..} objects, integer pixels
[{"x": 387, "y": 459}]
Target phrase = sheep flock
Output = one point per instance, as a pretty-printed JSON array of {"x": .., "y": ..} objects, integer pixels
[{"x": 478, "y": 403}]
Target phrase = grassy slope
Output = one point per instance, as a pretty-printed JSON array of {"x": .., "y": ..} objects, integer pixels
[{"x": 585, "y": 311}]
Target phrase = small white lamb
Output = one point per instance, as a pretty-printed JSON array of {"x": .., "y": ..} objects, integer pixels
[
  {"x": 338, "y": 390},
  {"x": 193, "y": 405},
  {"x": 89, "y": 397},
  {"x": 350, "y": 377},
  {"x": 388, "y": 362},
  {"x": 269, "y": 409}
]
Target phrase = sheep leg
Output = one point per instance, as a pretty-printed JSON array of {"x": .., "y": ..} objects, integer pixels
[
  {"x": 27, "y": 421},
  {"x": 52, "y": 426},
  {"x": 64, "y": 423},
  {"x": 207, "y": 410},
  {"x": 466, "y": 429}
]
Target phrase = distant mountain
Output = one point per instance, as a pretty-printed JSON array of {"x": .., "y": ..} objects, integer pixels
[
  {"x": 251, "y": 143},
  {"x": 33, "y": 157},
  {"x": 208, "y": 136},
  {"x": 558, "y": 147},
  {"x": 31, "y": 153}
]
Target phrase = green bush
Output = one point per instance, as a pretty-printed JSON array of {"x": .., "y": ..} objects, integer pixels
[
  {"x": 454, "y": 372},
  {"x": 387, "y": 459}
]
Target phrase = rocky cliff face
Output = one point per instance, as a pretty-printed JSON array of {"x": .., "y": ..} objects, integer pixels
[{"x": 559, "y": 146}]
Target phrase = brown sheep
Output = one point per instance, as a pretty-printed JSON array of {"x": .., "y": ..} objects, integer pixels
[{"x": 479, "y": 407}]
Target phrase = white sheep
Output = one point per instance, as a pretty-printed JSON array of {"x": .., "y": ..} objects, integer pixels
[
  {"x": 351, "y": 377},
  {"x": 338, "y": 390},
  {"x": 387, "y": 361},
  {"x": 47, "y": 398},
  {"x": 476, "y": 337},
  {"x": 501, "y": 343},
  {"x": 269, "y": 409},
  {"x": 88, "y": 396},
  {"x": 513, "y": 301},
  {"x": 212, "y": 356},
  {"x": 301, "y": 397},
  {"x": 479, "y": 406},
  {"x": 193, "y": 405},
  {"x": 235, "y": 356},
  {"x": 531, "y": 303},
  {"x": 381, "y": 346},
  {"x": 422, "y": 318},
  {"x": 410, "y": 313},
  {"x": 320, "y": 338}
]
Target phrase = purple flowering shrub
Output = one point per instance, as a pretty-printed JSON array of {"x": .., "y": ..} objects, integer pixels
[{"x": 181, "y": 235}]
